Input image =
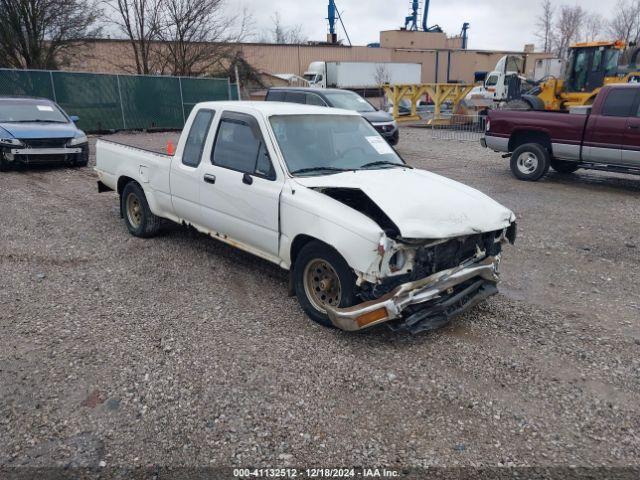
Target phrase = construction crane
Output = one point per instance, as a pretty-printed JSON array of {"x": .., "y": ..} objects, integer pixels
[{"x": 333, "y": 15}]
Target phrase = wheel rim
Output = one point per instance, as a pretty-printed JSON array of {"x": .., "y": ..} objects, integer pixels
[
  {"x": 322, "y": 285},
  {"x": 134, "y": 210},
  {"x": 527, "y": 163}
]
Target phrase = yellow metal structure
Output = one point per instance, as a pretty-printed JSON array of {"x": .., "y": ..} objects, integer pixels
[
  {"x": 556, "y": 96},
  {"x": 438, "y": 92}
]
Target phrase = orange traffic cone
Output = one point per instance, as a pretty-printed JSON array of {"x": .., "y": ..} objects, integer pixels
[{"x": 171, "y": 149}]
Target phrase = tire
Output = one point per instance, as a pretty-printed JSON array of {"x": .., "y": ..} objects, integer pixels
[
  {"x": 138, "y": 217},
  {"x": 327, "y": 263},
  {"x": 530, "y": 162},
  {"x": 3, "y": 164},
  {"x": 518, "y": 105},
  {"x": 83, "y": 158},
  {"x": 561, "y": 166}
]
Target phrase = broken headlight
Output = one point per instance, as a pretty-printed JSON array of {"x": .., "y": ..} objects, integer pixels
[
  {"x": 11, "y": 142},
  {"x": 79, "y": 140},
  {"x": 398, "y": 261}
]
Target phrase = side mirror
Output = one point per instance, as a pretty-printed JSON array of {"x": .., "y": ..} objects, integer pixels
[{"x": 74, "y": 118}]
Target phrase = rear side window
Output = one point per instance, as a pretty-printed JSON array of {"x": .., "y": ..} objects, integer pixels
[
  {"x": 197, "y": 136},
  {"x": 296, "y": 97},
  {"x": 313, "y": 99},
  {"x": 275, "y": 96},
  {"x": 239, "y": 146},
  {"x": 619, "y": 102}
]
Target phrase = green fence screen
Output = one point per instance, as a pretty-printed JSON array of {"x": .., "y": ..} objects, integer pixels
[{"x": 118, "y": 102}]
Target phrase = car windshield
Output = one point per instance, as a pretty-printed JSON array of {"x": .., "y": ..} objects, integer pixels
[
  {"x": 21, "y": 111},
  {"x": 349, "y": 101},
  {"x": 324, "y": 144}
]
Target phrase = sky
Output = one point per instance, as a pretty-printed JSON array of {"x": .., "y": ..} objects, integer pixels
[{"x": 495, "y": 24}]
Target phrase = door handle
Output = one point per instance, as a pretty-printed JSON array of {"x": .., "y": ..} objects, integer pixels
[
  {"x": 209, "y": 178},
  {"x": 634, "y": 127},
  {"x": 247, "y": 179}
]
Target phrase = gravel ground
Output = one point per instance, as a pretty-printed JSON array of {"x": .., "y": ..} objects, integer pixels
[{"x": 183, "y": 351}]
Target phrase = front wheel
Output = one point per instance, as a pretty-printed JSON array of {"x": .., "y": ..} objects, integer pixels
[
  {"x": 138, "y": 217},
  {"x": 530, "y": 162},
  {"x": 561, "y": 166},
  {"x": 322, "y": 278}
]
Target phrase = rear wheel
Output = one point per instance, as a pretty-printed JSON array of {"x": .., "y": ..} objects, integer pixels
[
  {"x": 322, "y": 279},
  {"x": 140, "y": 221},
  {"x": 561, "y": 166},
  {"x": 530, "y": 162}
]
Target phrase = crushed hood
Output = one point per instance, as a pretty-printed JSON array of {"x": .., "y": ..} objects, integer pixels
[{"x": 420, "y": 203}]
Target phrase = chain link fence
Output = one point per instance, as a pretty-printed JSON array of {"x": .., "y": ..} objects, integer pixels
[{"x": 118, "y": 102}]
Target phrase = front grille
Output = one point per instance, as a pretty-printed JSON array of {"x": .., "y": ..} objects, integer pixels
[
  {"x": 434, "y": 259},
  {"x": 430, "y": 260},
  {"x": 46, "y": 142}
]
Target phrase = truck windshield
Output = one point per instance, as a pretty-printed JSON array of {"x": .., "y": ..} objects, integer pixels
[
  {"x": 21, "y": 111},
  {"x": 312, "y": 77},
  {"x": 323, "y": 144},
  {"x": 348, "y": 101}
]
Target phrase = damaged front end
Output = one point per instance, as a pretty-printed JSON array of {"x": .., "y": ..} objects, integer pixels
[{"x": 423, "y": 285}]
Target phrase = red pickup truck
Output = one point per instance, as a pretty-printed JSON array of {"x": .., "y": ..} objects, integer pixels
[{"x": 604, "y": 136}]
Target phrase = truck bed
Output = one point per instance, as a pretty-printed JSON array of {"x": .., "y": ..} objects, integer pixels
[
  {"x": 150, "y": 169},
  {"x": 561, "y": 127}
]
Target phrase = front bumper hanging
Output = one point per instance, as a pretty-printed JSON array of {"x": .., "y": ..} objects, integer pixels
[{"x": 436, "y": 292}]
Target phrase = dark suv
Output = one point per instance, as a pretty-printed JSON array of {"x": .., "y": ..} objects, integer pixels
[{"x": 336, "y": 98}]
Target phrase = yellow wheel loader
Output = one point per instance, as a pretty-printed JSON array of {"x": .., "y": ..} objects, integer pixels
[{"x": 590, "y": 66}]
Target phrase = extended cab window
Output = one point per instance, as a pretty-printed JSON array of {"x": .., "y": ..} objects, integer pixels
[
  {"x": 197, "y": 136},
  {"x": 239, "y": 146},
  {"x": 619, "y": 102}
]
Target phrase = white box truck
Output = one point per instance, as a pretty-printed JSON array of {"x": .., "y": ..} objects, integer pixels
[{"x": 362, "y": 75}]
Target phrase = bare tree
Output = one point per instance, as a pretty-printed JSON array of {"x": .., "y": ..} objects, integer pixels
[
  {"x": 594, "y": 27},
  {"x": 284, "y": 34},
  {"x": 197, "y": 37},
  {"x": 382, "y": 75},
  {"x": 625, "y": 25},
  {"x": 544, "y": 24},
  {"x": 139, "y": 22},
  {"x": 40, "y": 33},
  {"x": 567, "y": 28}
]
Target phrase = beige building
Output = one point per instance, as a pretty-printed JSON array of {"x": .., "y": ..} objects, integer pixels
[{"x": 441, "y": 57}]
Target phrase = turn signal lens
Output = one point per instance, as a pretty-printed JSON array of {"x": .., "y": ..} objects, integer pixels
[{"x": 370, "y": 317}]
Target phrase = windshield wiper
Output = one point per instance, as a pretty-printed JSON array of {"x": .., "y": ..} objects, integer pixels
[
  {"x": 385, "y": 162},
  {"x": 321, "y": 169}
]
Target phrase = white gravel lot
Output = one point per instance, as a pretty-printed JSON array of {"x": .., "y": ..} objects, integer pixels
[{"x": 183, "y": 351}]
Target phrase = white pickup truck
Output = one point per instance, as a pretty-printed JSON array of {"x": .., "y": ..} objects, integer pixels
[{"x": 367, "y": 238}]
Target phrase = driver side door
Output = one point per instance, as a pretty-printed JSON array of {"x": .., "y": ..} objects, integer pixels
[{"x": 240, "y": 195}]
